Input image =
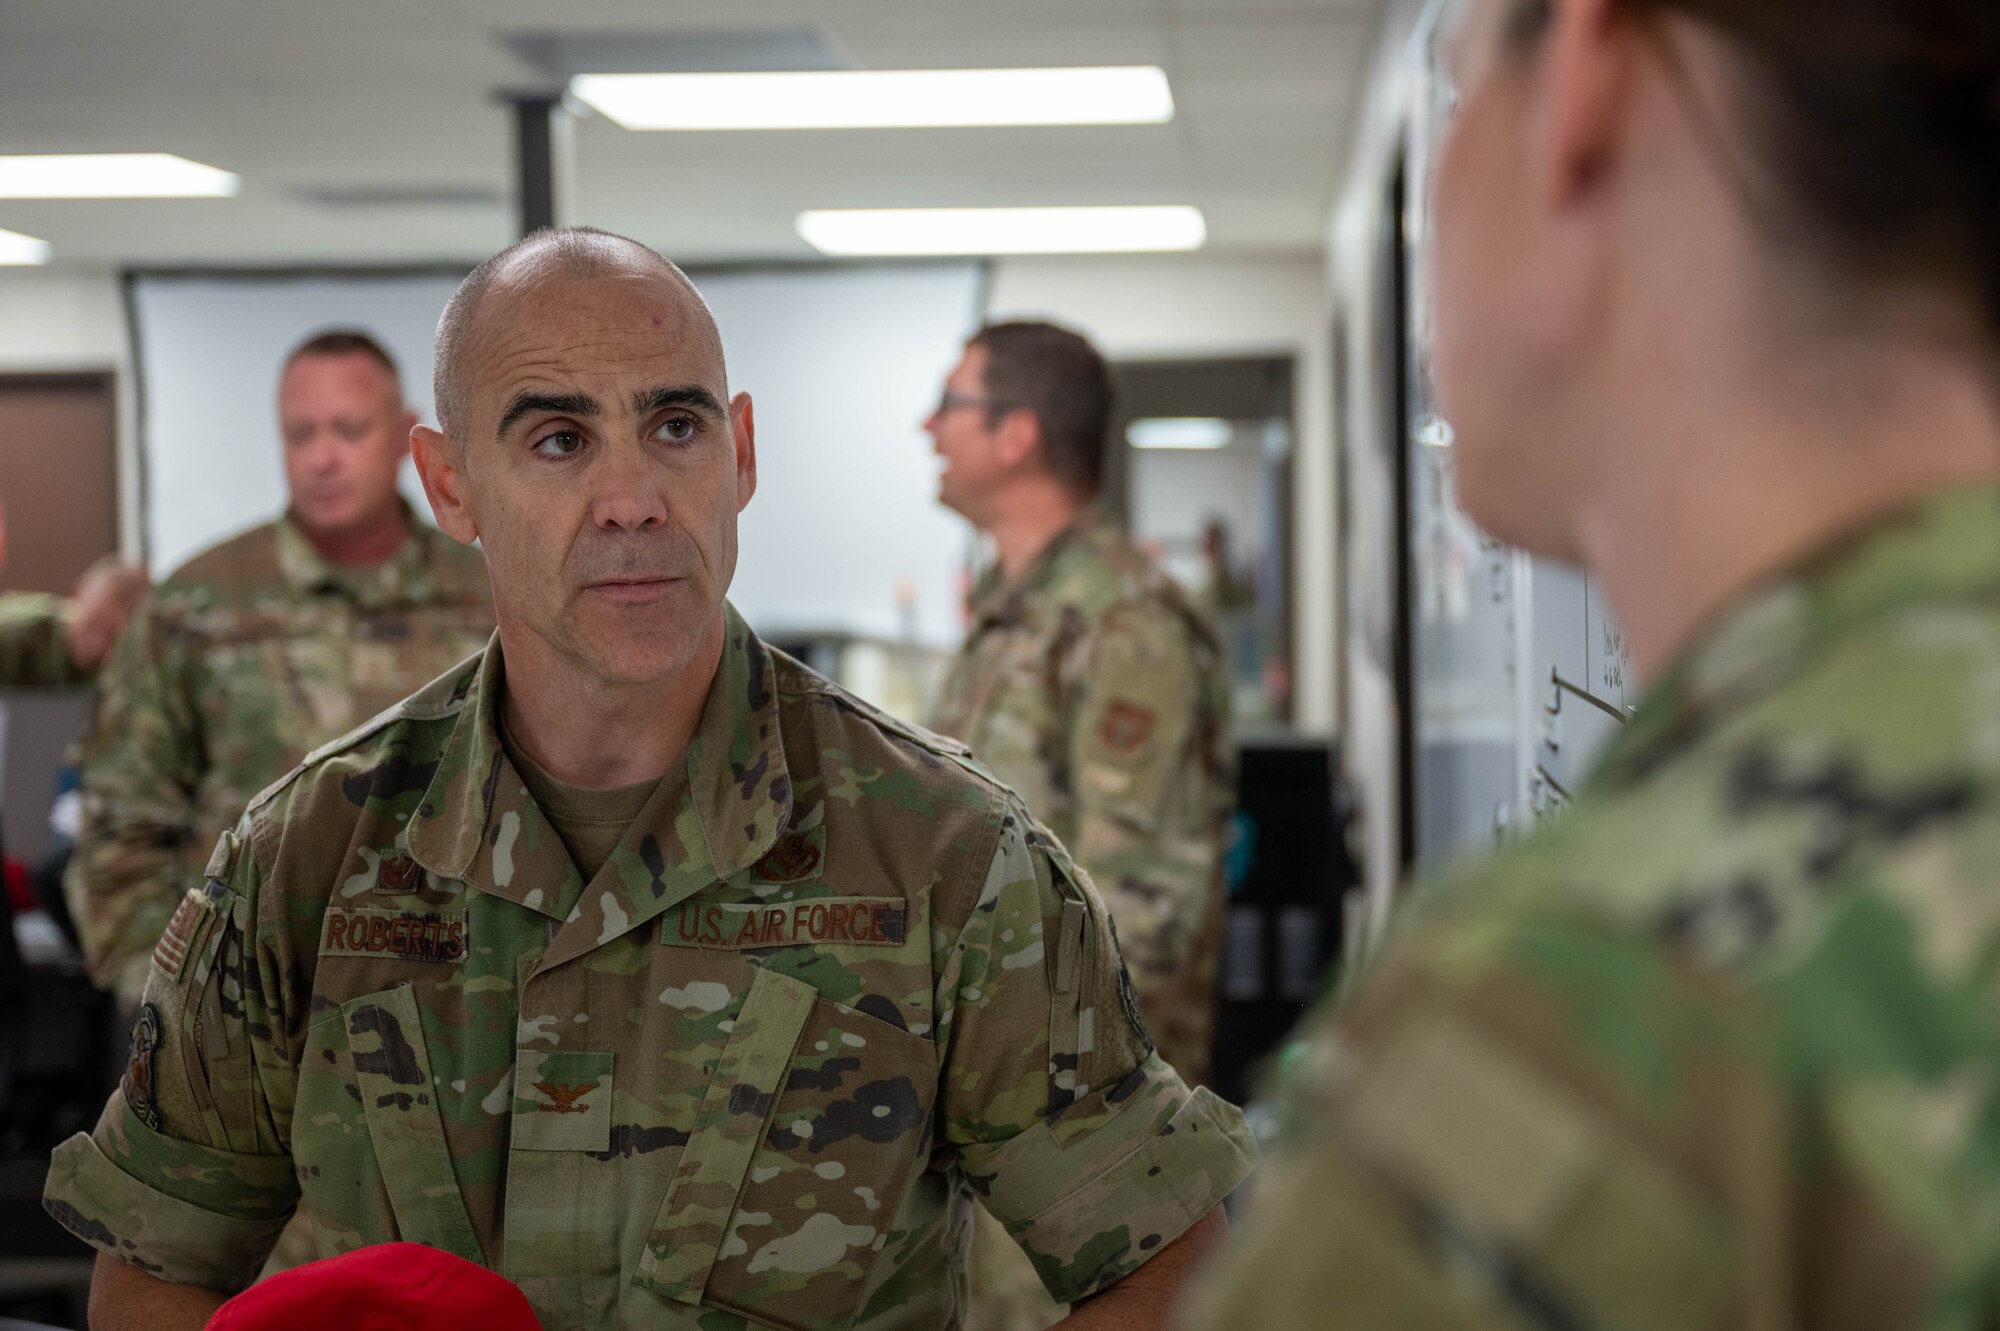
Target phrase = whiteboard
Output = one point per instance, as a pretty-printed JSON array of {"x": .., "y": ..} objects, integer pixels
[
  {"x": 844, "y": 535},
  {"x": 1520, "y": 677}
]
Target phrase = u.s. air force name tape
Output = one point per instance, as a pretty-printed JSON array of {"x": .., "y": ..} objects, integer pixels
[{"x": 735, "y": 926}]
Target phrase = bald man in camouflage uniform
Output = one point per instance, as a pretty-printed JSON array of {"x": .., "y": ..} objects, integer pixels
[
  {"x": 255, "y": 652},
  {"x": 733, "y": 1045}
]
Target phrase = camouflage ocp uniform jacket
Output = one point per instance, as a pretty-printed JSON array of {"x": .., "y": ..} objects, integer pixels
[
  {"x": 1094, "y": 688},
  {"x": 33, "y": 651},
  {"x": 246, "y": 659},
  {"x": 1718, "y": 1048},
  {"x": 832, "y": 981}
]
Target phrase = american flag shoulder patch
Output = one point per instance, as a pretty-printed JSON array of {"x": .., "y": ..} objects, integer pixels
[{"x": 178, "y": 940}]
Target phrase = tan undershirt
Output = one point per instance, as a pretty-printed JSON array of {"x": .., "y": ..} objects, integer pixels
[{"x": 591, "y": 823}]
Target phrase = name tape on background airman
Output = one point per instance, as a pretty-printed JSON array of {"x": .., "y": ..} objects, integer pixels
[{"x": 866, "y": 921}]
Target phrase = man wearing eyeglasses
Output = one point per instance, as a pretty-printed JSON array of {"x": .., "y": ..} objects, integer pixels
[{"x": 1090, "y": 684}]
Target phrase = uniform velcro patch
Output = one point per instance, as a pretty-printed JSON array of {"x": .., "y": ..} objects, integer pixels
[
  {"x": 179, "y": 936},
  {"x": 1458, "y": 1116},
  {"x": 737, "y": 926},
  {"x": 1124, "y": 728},
  {"x": 359, "y": 931}
]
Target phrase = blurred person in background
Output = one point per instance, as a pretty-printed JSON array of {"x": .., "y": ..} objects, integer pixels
[
  {"x": 53, "y": 642},
  {"x": 1718, "y": 318},
  {"x": 256, "y": 652},
  {"x": 1091, "y": 684}
]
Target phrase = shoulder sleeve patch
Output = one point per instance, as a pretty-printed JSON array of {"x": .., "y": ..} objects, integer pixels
[{"x": 1123, "y": 729}]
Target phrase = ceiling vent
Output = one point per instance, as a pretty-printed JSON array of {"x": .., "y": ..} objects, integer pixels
[
  {"x": 562, "y": 55},
  {"x": 404, "y": 198}
]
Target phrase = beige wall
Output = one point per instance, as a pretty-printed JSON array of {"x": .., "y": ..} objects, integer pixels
[{"x": 1136, "y": 307}]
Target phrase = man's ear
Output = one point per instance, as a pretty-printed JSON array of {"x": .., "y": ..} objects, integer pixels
[
  {"x": 1588, "y": 66},
  {"x": 743, "y": 428},
  {"x": 408, "y": 427},
  {"x": 1018, "y": 438},
  {"x": 442, "y": 471}
]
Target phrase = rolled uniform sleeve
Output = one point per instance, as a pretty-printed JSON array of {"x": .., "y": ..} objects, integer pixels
[
  {"x": 1090, "y": 1150},
  {"x": 187, "y": 1175},
  {"x": 34, "y": 652}
]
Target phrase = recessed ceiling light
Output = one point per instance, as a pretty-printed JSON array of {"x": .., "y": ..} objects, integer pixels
[
  {"x": 112, "y": 176},
  {"x": 17, "y": 250},
  {"x": 882, "y": 99},
  {"x": 1205, "y": 432},
  {"x": 915, "y": 231}
]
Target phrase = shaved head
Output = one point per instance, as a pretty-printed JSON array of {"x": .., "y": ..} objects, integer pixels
[{"x": 577, "y": 253}]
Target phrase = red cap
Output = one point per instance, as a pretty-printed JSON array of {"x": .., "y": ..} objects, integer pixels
[{"x": 390, "y": 1287}]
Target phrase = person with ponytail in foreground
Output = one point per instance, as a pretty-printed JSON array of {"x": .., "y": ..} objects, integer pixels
[{"x": 1718, "y": 318}]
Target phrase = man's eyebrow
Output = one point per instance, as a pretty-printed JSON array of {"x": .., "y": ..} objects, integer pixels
[
  {"x": 688, "y": 395},
  {"x": 558, "y": 404}
]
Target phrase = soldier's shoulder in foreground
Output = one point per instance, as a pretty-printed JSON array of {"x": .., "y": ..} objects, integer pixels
[
  {"x": 381, "y": 767},
  {"x": 803, "y": 691},
  {"x": 866, "y": 753},
  {"x": 1761, "y": 937}
]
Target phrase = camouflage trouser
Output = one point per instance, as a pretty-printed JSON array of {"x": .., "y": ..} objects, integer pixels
[{"x": 1007, "y": 1295}]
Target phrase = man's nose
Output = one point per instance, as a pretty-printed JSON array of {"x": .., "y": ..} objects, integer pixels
[
  {"x": 628, "y": 492},
  {"x": 321, "y": 456}
]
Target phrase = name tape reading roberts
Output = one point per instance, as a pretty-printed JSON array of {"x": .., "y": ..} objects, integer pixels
[
  {"x": 868, "y": 921},
  {"x": 358, "y": 931}
]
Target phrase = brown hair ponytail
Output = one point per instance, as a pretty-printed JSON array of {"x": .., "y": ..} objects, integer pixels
[{"x": 1878, "y": 124}]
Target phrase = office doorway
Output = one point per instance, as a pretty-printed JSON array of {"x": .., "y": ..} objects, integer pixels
[
  {"x": 1204, "y": 478},
  {"x": 58, "y": 477}
]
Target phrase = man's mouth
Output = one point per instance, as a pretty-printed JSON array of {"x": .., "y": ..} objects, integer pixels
[{"x": 633, "y": 591}]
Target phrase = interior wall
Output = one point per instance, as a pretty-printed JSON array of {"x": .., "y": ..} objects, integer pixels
[
  {"x": 54, "y": 319},
  {"x": 1158, "y": 307},
  {"x": 1136, "y": 307},
  {"x": 58, "y": 321},
  {"x": 843, "y": 362}
]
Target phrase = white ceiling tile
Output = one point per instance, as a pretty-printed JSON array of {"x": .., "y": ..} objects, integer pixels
[{"x": 392, "y": 95}]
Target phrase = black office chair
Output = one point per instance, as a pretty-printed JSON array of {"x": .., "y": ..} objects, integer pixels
[{"x": 58, "y": 1056}]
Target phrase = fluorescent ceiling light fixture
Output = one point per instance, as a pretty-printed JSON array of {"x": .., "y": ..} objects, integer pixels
[
  {"x": 1190, "y": 432},
  {"x": 882, "y": 99},
  {"x": 17, "y": 250},
  {"x": 112, "y": 176},
  {"x": 905, "y": 231}
]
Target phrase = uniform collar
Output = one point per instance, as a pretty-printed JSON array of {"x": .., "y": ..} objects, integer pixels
[
  {"x": 405, "y": 578},
  {"x": 718, "y": 813},
  {"x": 996, "y": 600},
  {"x": 1944, "y": 548}
]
